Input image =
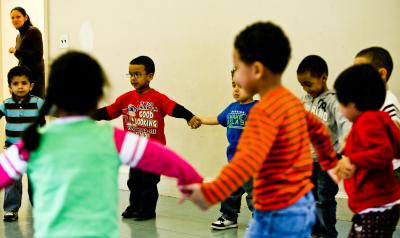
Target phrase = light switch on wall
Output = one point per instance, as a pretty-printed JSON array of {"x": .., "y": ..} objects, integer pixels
[{"x": 64, "y": 42}]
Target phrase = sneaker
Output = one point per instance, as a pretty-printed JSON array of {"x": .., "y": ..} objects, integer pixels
[
  {"x": 223, "y": 223},
  {"x": 10, "y": 216}
]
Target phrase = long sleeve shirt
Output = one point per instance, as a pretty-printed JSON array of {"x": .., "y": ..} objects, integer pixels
[
  {"x": 275, "y": 149},
  {"x": 373, "y": 142}
]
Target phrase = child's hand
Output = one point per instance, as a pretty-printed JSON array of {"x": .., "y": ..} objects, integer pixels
[
  {"x": 345, "y": 169},
  {"x": 195, "y": 122},
  {"x": 193, "y": 192}
]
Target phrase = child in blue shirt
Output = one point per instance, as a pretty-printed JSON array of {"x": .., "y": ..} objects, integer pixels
[
  {"x": 233, "y": 118},
  {"x": 20, "y": 110}
]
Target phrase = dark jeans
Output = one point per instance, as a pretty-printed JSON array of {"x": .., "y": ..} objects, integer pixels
[
  {"x": 13, "y": 196},
  {"x": 324, "y": 192},
  {"x": 231, "y": 206},
  {"x": 144, "y": 193}
]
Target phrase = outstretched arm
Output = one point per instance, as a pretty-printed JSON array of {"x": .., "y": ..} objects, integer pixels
[
  {"x": 209, "y": 120},
  {"x": 101, "y": 114},
  {"x": 151, "y": 156},
  {"x": 181, "y": 112},
  {"x": 13, "y": 163}
]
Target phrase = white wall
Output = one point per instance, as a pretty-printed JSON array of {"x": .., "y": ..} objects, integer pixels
[{"x": 191, "y": 44}]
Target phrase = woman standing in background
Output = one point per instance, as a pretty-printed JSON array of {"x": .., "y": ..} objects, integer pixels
[{"x": 29, "y": 48}]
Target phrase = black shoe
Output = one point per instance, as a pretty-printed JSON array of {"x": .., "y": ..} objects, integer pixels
[
  {"x": 130, "y": 214},
  {"x": 144, "y": 217},
  {"x": 10, "y": 216}
]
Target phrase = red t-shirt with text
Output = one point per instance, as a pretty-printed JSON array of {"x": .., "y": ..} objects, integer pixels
[{"x": 143, "y": 114}]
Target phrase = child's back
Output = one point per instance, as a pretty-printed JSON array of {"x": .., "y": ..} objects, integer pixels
[{"x": 80, "y": 160}]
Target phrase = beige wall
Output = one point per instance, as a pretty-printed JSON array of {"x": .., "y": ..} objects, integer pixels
[{"x": 191, "y": 44}]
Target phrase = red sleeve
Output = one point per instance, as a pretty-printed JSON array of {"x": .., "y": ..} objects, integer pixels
[
  {"x": 322, "y": 142},
  {"x": 115, "y": 110},
  {"x": 167, "y": 105},
  {"x": 377, "y": 151}
]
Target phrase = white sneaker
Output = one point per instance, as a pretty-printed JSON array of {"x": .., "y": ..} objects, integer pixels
[{"x": 222, "y": 223}]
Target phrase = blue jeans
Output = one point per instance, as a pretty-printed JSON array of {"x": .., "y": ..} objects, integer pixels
[
  {"x": 230, "y": 208},
  {"x": 324, "y": 192},
  {"x": 294, "y": 221}
]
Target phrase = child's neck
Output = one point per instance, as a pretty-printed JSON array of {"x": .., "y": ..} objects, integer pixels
[
  {"x": 323, "y": 91},
  {"x": 273, "y": 81},
  {"x": 143, "y": 90},
  {"x": 247, "y": 101}
]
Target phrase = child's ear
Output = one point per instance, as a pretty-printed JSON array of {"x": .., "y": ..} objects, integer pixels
[
  {"x": 258, "y": 69},
  {"x": 31, "y": 87},
  {"x": 383, "y": 73},
  {"x": 150, "y": 76},
  {"x": 324, "y": 78},
  {"x": 9, "y": 89}
]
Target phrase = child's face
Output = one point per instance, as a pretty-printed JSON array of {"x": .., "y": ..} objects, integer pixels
[
  {"x": 243, "y": 74},
  {"x": 349, "y": 111},
  {"x": 139, "y": 79},
  {"x": 20, "y": 86},
  {"x": 313, "y": 85},
  {"x": 239, "y": 94}
]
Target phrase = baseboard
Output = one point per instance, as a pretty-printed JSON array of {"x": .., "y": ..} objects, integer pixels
[{"x": 167, "y": 186}]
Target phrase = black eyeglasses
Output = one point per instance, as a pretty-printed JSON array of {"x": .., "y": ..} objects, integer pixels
[{"x": 134, "y": 75}]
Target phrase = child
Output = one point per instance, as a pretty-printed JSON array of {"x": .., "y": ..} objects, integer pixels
[
  {"x": 143, "y": 111},
  {"x": 233, "y": 118},
  {"x": 312, "y": 74},
  {"x": 73, "y": 162},
  {"x": 382, "y": 61},
  {"x": 274, "y": 147},
  {"x": 373, "y": 142},
  {"x": 21, "y": 110}
]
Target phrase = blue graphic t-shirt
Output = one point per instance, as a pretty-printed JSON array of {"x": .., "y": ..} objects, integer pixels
[{"x": 234, "y": 119}]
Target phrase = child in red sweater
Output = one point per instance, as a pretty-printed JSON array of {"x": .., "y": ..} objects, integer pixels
[{"x": 373, "y": 142}]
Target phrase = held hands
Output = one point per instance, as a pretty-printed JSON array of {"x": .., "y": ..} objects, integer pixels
[
  {"x": 343, "y": 170},
  {"x": 193, "y": 192},
  {"x": 195, "y": 122},
  {"x": 12, "y": 50}
]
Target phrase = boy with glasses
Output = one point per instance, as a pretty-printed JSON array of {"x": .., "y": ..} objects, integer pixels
[{"x": 143, "y": 111}]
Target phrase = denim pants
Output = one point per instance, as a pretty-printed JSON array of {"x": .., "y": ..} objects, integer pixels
[
  {"x": 13, "y": 196},
  {"x": 324, "y": 192},
  {"x": 230, "y": 208},
  {"x": 294, "y": 221}
]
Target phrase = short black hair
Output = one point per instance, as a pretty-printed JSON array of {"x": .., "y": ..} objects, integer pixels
[
  {"x": 264, "y": 42},
  {"x": 380, "y": 58},
  {"x": 146, "y": 61},
  {"x": 361, "y": 85},
  {"x": 314, "y": 64},
  {"x": 19, "y": 71}
]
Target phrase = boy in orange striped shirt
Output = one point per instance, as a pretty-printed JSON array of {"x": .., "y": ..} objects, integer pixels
[{"x": 274, "y": 147}]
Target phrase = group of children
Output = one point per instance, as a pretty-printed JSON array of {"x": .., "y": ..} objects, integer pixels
[{"x": 269, "y": 151}]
